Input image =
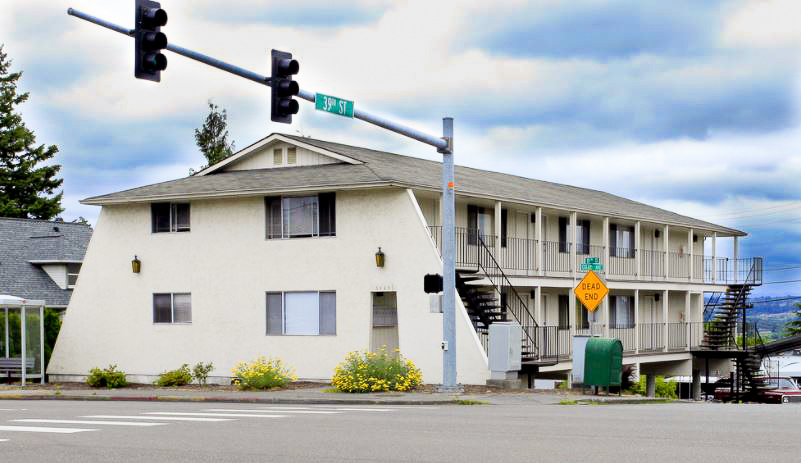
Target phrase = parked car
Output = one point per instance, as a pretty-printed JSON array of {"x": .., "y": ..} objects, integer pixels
[{"x": 779, "y": 390}]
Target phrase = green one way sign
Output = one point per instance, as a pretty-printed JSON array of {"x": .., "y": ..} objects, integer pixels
[{"x": 332, "y": 104}]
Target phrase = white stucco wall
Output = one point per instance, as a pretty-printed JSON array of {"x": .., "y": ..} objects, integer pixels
[
  {"x": 227, "y": 265},
  {"x": 58, "y": 273}
]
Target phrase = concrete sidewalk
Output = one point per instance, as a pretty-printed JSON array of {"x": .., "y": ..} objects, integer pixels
[{"x": 317, "y": 395}]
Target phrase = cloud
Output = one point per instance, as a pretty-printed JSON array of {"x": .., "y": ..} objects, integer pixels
[
  {"x": 690, "y": 106},
  {"x": 597, "y": 30},
  {"x": 326, "y": 14}
]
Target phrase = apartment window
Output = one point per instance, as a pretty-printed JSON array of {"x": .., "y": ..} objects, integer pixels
[
  {"x": 172, "y": 308},
  {"x": 302, "y": 313},
  {"x": 301, "y": 216},
  {"x": 278, "y": 156},
  {"x": 582, "y": 235},
  {"x": 621, "y": 241},
  {"x": 621, "y": 311},
  {"x": 72, "y": 274},
  {"x": 479, "y": 223},
  {"x": 564, "y": 312},
  {"x": 291, "y": 155},
  {"x": 169, "y": 217}
]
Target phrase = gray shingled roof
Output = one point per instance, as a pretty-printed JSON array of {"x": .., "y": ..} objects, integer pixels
[
  {"x": 25, "y": 240},
  {"x": 382, "y": 168}
]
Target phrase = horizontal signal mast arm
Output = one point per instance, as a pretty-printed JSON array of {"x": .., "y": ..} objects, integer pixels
[{"x": 439, "y": 143}]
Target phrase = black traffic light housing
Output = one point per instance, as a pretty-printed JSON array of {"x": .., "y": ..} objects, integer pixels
[
  {"x": 149, "y": 40},
  {"x": 282, "y": 105},
  {"x": 432, "y": 284}
]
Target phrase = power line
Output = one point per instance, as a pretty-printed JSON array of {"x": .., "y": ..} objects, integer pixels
[
  {"x": 781, "y": 268},
  {"x": 776, "y": 300},
  {"x": 781, "y": 208},
  {"x": 780, "y": 282}
]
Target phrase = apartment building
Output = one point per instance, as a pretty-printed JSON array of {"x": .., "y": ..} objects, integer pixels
[{"x": 274, "y": 251}]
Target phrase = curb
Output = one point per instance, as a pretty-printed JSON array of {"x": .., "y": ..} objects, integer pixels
[{"x": 274, "y": 400}]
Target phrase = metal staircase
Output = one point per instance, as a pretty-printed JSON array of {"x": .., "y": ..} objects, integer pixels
[{"x": 489, "y": 297}]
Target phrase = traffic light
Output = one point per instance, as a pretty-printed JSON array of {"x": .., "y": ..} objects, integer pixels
[
  {"x": 282, "y": 105},
  {"x": 432, "y": 284},
  {"x": 149, "y": 40}
]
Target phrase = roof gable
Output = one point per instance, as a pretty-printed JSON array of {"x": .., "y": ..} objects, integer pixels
[{"x": 262, "y": 155}]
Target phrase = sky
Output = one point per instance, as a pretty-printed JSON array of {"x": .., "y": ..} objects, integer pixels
[{"x": 687, "y": 105}]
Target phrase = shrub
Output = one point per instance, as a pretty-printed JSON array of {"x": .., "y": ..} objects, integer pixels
[
  {"x": 664, "y": 389},
  {"x": 262, "y": 373},
  {"x": 108, "y": 377},
  {"x": 376, "y": 372},
  {"x": 177, "y": 377},
  {"x": 201, "y": 372}
]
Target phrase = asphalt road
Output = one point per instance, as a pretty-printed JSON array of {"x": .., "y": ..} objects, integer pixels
[{"x": 56, "y": 431}]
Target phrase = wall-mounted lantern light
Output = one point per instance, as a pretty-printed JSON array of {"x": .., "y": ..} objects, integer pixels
[
  {"x": 136, "y": 265},
  {"x": 379, "y": 258}
]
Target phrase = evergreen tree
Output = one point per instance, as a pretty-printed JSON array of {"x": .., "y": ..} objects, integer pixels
[
  {"x": 26, "y": 191},
  {"x": 793, "y": 327},
  {"x": 212, "y": 138}
]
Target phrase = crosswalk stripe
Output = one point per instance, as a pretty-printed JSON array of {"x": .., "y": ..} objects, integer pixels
[
  {"x": 172, "y": 418},
  {"x": 111, "y": 423},
  {"x": 311, "y": 412},
  {"x": 3, "y": 440},
  {"x": 242, "y": 415},
  {"x": 41, "y": 429},
  {"x": 365, "y": 409}
]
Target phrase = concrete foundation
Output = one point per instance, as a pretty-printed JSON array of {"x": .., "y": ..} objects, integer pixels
[{"x": 650, "y": 385}]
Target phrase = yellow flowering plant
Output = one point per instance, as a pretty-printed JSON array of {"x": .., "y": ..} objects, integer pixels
[
  {"x": 262, "y": 373},
  {"x": 376, "y": 372}
]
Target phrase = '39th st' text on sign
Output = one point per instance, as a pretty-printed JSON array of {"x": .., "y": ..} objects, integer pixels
[{"x": 591, "y": 291}]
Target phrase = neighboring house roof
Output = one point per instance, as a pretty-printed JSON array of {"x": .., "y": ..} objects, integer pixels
[
  {"x": 377, "y": 168},
  {"x": 23, "y": 241}
]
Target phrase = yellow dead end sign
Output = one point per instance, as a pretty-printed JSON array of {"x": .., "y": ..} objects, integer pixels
[{"x": 591, "y": 291}]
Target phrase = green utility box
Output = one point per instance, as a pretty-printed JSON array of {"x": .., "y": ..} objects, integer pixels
[{"x": 603, "y": 362}]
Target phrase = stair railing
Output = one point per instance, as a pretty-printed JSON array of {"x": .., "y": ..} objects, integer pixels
[
  {"x": 739, "y": 304},
  {"x": 514, "y": 303},
  {"x": 711, "y": 304}
]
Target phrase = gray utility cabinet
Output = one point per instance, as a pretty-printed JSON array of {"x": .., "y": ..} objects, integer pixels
[{"x": 505, "y": 346}]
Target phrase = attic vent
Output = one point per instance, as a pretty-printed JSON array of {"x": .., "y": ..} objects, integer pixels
[
  {"x": 291, "y": 155},
  {"x": 278, "y": 156}
]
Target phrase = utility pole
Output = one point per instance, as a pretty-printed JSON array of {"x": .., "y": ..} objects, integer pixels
[{"x": 444, "y": 145}]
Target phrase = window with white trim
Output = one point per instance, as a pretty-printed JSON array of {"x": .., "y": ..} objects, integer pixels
[
  {"x": 301, "y": 216},
  {"x": 302, "y": 313},
  {"x": 291, "y": 155},
  {"x": 278, "y": 156},
  {"x": 172, "y": 308},
  {"x": 169, "y": 217}
]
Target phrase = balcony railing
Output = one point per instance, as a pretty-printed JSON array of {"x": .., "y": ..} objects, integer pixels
[
  {"x": 622, "y": 262},
  {"x": 554, "y": 342},
  {"x": 626, "y": 335},
  {"x": 652, "y": 264},
  {"x": 677, "y": 336},
  {"x": 519, "y": 256},
  {"x": 652, "y": 337},
  {"x": 679, "y": 265},
  {"x": 556, "y": 256}
]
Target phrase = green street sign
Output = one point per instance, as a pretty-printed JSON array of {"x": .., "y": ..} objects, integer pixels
[
  {"x": 332, "y": 104},
  {"x": 592, "y": 260},
  {"x": 593, "y": 267}
]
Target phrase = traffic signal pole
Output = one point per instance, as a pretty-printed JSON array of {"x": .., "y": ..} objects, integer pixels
[{"x": 444, "y": 145}]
